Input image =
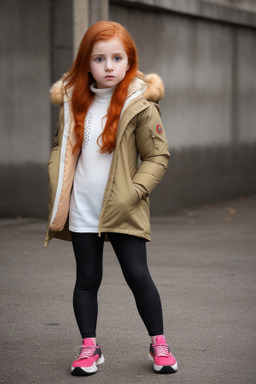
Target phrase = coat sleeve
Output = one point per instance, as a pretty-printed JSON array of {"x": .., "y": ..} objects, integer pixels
[{"x": 153, "y": 150}]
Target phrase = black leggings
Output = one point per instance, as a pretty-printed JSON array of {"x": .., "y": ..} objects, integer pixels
[{"x": 132, "y": 256}]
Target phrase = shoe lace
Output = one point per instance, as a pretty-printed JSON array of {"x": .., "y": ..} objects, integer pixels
[
  {"x": 161, "y": 350},
  {"x": 85, "y": 351}
]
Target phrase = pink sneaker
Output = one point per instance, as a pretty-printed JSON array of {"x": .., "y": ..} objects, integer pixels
[
  {"x": 160, "y": 353},
  {"x": 89, "y": 357}
]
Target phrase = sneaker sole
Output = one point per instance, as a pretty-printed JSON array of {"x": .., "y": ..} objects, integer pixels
[
  {"x": 164, "y": 368},
  {"x": 85, "y": 371}
]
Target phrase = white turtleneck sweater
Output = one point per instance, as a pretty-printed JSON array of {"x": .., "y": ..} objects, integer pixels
[{"x": 92, "y": 168}]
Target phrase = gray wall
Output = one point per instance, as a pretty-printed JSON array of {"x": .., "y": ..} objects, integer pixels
[
  {"x": 209, "y": 113},
  {"x": 205, "y": 54},
  {"x": 35, "y": 48}
]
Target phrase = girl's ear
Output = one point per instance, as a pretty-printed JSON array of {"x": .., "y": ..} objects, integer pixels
[{"x": 128, "y": 67}]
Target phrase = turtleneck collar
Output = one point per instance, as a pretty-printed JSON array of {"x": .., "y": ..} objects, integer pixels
[{"x": 102, "y": 95}]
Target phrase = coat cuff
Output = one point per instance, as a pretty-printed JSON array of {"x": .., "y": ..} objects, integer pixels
[{"x": 141, "y": 193}]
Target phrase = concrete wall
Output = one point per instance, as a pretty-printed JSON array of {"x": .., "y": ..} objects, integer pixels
[
  {"x": 25, "y": 76},
  {"x": 246, "y": 5},
  {"x": 24, "y": 122},
  {"x": 36, "y": 47},
  {"x": 205, "y": 53},
  {"x": 209, "y": 107}
]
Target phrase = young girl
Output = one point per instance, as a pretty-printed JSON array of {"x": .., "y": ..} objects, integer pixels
[{"x": 108, "y": 117}]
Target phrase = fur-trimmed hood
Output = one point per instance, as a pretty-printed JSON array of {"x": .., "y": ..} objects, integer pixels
[{"x": 151, "y": 85}]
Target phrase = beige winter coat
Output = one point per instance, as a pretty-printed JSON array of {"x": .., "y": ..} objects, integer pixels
[{"x": 125, "y": 206}]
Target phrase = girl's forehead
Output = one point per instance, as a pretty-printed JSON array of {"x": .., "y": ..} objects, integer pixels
[{"x": 105, "y": 46}]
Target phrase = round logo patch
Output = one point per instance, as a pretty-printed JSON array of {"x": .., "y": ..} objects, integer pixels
[{"x": 159, "y": 129}]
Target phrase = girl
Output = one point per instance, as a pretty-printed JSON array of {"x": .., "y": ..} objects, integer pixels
[{"x": 108, "y": 117}]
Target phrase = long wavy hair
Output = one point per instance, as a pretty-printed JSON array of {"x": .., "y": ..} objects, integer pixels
[{"x": 80, "y": 79}]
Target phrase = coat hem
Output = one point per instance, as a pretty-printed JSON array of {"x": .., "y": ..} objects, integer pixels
[{"x": 126, "y": 232}]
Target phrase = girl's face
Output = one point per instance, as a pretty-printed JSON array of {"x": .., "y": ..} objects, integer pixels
[{"x": 108, "y": 62}]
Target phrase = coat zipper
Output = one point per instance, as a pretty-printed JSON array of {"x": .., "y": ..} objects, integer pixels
[{"x": 153, "y": 137}]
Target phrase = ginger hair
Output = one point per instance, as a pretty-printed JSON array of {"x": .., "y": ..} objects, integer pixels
[{"x": 80, "y": 79}]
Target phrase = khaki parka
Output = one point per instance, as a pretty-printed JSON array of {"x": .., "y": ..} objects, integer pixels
[{"x": 140, "y": 134}]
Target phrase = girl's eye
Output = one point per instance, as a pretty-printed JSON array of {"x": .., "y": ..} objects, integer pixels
[
  {"x": 117, "y": 58},
  {"x": 99, "y": 59}
]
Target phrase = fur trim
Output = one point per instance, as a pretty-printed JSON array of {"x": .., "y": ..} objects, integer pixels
[
  {"x": 155, "y": 87},
  {"x": 152, "y": 83},
  {"x": 57, "y": 93}
]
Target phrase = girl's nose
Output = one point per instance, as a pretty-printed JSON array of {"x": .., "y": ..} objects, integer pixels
[{"x": 109, "y": 65}]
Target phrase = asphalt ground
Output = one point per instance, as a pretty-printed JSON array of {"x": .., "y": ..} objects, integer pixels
[{"x": 203, "y": 262}]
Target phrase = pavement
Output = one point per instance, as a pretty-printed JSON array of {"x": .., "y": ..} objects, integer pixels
[{"x": 203, "y": 262}]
